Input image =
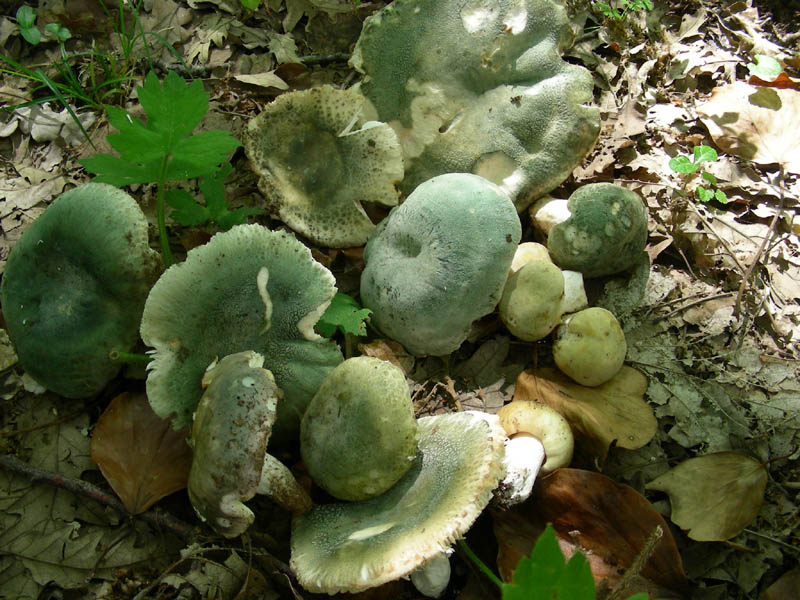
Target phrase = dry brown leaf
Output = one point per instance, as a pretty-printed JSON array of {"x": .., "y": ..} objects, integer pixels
[
  {"x": 599, "y": 416},
  {"x": 714, "y": 496},
  {"x": 609, "y": 522},
  {"x": 138, "y": 453},
  {"x": 390, "y": 351},
  {"x": 757, "y": 124},
  {"x": 785, "y": 588}
]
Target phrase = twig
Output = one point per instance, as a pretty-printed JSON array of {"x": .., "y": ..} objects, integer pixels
[
  {"x": 79, "y": 487},
  {"x": 336, "y": 57}
]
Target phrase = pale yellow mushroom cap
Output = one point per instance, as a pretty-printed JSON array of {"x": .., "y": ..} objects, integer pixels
[
  {"x": 544, "y": 423},
  {"x": 590, "y": 346}
]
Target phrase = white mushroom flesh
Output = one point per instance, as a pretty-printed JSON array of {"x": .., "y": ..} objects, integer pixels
[{"x": 431, "y": 579}]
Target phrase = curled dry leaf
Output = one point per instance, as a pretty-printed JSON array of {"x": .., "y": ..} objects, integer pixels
[
  {"x": 755, "y": 123},
  {"x": 609, "y": 522},
  {"x": 715, "y": 496},
  {"x": 785, "y": 588},
  {"x": 139, "y": 454},
  {"x": 612, "y": 412}
]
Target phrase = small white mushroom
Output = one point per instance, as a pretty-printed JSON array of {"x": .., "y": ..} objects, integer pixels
[{"x": 431, "y": 579}]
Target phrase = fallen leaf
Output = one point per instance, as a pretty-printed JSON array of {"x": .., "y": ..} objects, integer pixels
[
  {"x": 785, "y": 588},
  {"x": 266, "y": 80},
  {"x": 754, "y": 123},
  {"x": 614, "y": 412},
  {"x": 609, "y": 522},
  {"x": 714, "y": 496},
  {"x": 390, "y": 351},
  {"x": 138, "y": 453}
]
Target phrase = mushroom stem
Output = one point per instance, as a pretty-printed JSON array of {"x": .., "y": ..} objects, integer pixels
[
  {"x": 524, "y": 457},
  {"x": 278, "y": 483},
  {"x": 431, "y": 579}
]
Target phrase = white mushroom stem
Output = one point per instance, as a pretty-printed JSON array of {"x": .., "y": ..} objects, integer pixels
[
  {"x": 431, "y": 579},
  {"x": 524, "y": 457},
  {"x": 278, "y": 483}
]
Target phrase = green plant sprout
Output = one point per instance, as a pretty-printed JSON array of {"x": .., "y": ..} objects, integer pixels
[
  {"x": 26, "y": 19},
  {"x": 689, "y": 167},
  {"x": 544, "y": 574},
  {"x": 162, "y": 149},
  {"x": 626, "y": 7},
  {"x": 187, "y": 211},
  {"x": 344, "y": 315},
  {"x": 765, "y": 67}
]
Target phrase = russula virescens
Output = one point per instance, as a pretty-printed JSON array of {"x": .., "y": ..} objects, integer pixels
[
  {"x": 439, "y": 261},
  {"x": 74, "y": 288},
  {"x": 318, "y": 160},
  {"x": 231, "y": 428},
  {"x": 590, "y": 346},
  {"x": 358, "y": 435},
  {"x": 247, "y": 289},
  {"x": 479, "y": 87},
  {"x": 604, "y": 233},
  {"x": 353, "y": 546}
]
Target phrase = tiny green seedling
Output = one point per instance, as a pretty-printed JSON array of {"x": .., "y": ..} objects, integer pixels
[
  {"x": 345, "y": 315},
  {"x": 26, "y": 19},
  {"x": 625, "y": 7},
  {"x": 187, "y": 211},
  {"x": 689, "y": 167},
  {"x": 545, "y": 574},
  {"x": 162, "y": 148},
  {"x": 765, "y": 67}
]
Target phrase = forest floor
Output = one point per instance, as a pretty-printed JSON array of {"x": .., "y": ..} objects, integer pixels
[{"x": 712, "y": 320}]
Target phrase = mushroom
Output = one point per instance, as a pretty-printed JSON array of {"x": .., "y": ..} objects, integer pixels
[
  {"x": 590, "y": 346},
  {"x": 231, "y": 428},
  {"x": 527, "y": 252},
  {"x": 247, "y": 289},
  {"x": 74, "y": 288},
  {"x": 439, "y": 261},
  {"x": 353, "y": 546},
  {"x": 531, "y": 303},
  {"x": 479, "y": 87},
  {"x": 317, "y": 160},
  {"x": 539, "y": 440},
  {"x": 358, "y": 435},
  {"x": 605, "y": 233}
]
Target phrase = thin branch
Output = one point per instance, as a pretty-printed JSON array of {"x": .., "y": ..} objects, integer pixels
[{"x": 79, "y": 487}]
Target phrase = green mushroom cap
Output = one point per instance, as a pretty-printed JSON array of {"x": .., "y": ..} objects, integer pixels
[
  {"x": 352, "y": 546},
  {"x": 604, "y": 234},
  {"x": 439, "y": 261},
  {"x": 74, "y": 288},
  {"x": 247, "y": 289},
  {"x": 359, "y": 435},
  {"x": 478, "y": 86}
]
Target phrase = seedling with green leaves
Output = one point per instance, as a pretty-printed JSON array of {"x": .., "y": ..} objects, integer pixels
[
  {"x": 622, "y": 8},
  {"x": 26, "y": 19},
  {"x": 162, "y": 148},
  {"x": 688, "y": 168},
  {"x": 545, "y": 574}
]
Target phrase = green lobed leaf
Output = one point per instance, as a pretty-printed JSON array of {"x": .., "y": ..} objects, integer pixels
[
  {"x": 200, "y": 154},
  {"x": 345, "y": 315},
  {"x": 119, "y": 172},
  {"x": 709, "y": 177},
  {"x": 173, "y": 108},
  {"x": 186, "y": 209},
  {"x": 704, "y": 154},
  {"x": 135, "y": 142},
  {"x": 544, "y": 574},
  {"x": 721, "y": 196},
  {"x": 705, "y": 195},
  {"x": 682, "y": 164}
]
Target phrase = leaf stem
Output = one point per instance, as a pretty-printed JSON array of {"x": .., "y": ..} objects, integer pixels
[
  {"x": 129, "y": 357},
  {"x": 166, "y": 253},
  {"x": 480, "y": 564}
]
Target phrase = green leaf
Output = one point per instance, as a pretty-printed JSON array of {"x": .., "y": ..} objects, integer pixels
[
  {"x": 251, "y": 4},
  {"x": 343, "y": 314},
  {"x": 765, "y": 67},
  {"x": 57, "y": 32},
  {"x": 682, "y": 164},
  {"x": 174, "y": 109},
  {"x": 119, "y": 172},
  {"x": 704, "y": 154},
  {"x": 31, "y": 35},
  {"x": 26, "y": 17},
  {"x": 236, "y": 216},
  {"x": 721, "y": 196},
  {"x": 704, "y": 194},
  {"x": 709, "y": 177},
  {"x": 200, "y": 154},
  {"x": 134, "y": 142},
  {"x": 186, "y": 211},
  {"x": 545, "y": 575}
]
